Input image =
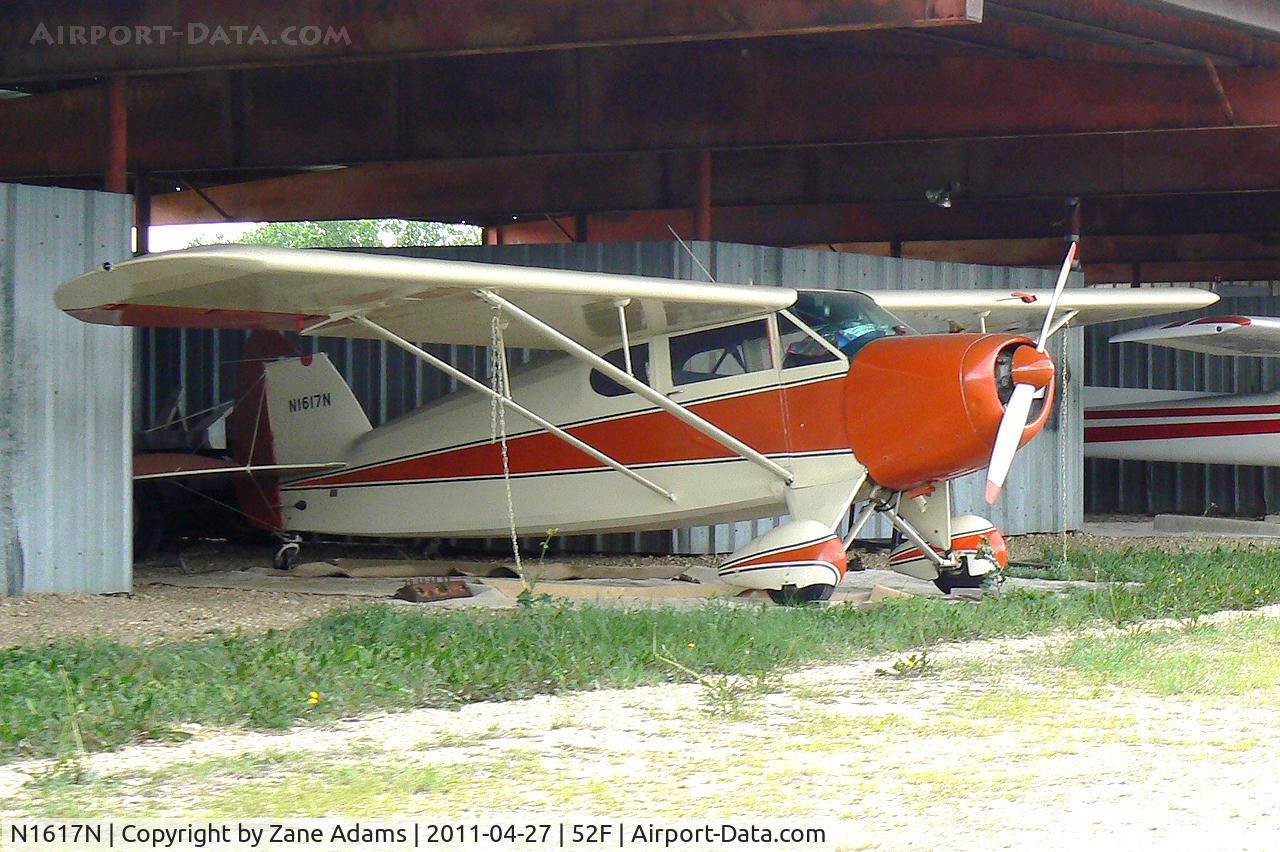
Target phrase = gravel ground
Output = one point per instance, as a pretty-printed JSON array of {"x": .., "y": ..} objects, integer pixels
[
  {"x": 997, "y": 748},
  {"x": 155, "y": 611}
]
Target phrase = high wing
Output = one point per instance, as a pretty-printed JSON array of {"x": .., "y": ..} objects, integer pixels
[
  {"x": 1023, "y": 310},
  {"x": 1226, "y": 335},
  {"x": 420, "y": 299}
]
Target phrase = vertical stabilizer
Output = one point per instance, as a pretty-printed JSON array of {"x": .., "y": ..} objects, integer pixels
[{"x": 315, "y": 418}]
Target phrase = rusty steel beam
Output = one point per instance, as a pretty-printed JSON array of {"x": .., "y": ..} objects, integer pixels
[
  {"x": 483, "y": 189},
  {"x": 117, "y": 159},
  {"x": 658, "y": 98},
  {"x": 38, "y": 42},
  {"x": 1060, "y": 28},
  {"x": 1253, "y": 16},
  {"x": 1198, "y": 257},
  {"x": 908, "y": 222},
  {"x": 702, "y": 202}
]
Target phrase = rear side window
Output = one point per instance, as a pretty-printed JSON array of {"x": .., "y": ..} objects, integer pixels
[
  {"x": 605, "y": 386},
  {"x": 731, "y": 350}
]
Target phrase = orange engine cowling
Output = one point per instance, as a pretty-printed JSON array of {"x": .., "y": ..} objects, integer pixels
[{"x": 925, "y": 408}]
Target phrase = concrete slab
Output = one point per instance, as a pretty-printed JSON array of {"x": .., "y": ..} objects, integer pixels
[
  {"x": 1122, "y": 529},
  {"x": 1197, "y": 525}
]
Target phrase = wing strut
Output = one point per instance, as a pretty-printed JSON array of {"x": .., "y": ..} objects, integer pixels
[
  {"x": 423, "y": 355},
  {"x": 630, "y": 382}
]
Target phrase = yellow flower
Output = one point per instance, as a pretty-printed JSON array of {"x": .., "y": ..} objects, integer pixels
[
  {"x": 1179, "y": 579},
  {"x": 693, "y": 644},
  {"x": 1257, "y": 591},
  {"x": 313, "y": 697}
]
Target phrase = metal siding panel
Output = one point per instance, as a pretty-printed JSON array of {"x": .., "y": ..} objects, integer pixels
[{"x": 68, "y": 398}]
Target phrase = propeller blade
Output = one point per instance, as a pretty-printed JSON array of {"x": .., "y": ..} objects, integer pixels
[
  {"x": 1011, "y": 426},
  {"x": 1042, "y": 341}
]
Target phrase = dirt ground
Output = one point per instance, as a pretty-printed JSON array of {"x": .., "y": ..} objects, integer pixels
[
  {"x": 157, "y": 610},
  {"x": 997, "y": 746}
]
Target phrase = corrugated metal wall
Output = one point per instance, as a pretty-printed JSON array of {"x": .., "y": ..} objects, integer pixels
[
  {"x": 389, "y": 382},
  {"x": 1150, "y": 487},
  {"x": 65, "y": 387}
]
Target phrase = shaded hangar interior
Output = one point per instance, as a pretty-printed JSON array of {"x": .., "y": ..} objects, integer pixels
[{"x": 951, "y": 130}]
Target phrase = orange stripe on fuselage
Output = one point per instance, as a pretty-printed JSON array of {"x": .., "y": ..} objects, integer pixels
[{"x": 814, "y": 415}]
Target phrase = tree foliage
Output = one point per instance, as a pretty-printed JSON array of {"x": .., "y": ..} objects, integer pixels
[{"x": 354, "y": 233}]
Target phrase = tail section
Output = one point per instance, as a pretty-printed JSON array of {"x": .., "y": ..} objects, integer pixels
[
  {"x": 315, "y": 418},
  {"x": 290, "y": 411}
]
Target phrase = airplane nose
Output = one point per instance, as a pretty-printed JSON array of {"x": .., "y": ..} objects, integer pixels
[
  {"x": 920, "y": 409},
  {"x": 1032, "y": 367}
]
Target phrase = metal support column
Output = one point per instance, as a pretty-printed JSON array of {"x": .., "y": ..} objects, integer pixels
[
  {"x": 117, "y": 136},
  {"x": 702, "y": 206}
]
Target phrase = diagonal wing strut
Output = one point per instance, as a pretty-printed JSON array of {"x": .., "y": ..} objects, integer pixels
[{"x": 630, "y": 382}]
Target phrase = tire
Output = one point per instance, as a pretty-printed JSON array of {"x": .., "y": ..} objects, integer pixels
[
  {"x": 957, "y": 580},
  {"x": 286, "y": 556},
  {"x": 791, "y": 596}
]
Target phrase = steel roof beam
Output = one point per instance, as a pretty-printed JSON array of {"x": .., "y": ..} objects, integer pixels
[
  {"x": 36, "y": 42},
  {"x": 1254, "y": 16},
  {"x": 663, "y": 98},
  {"x": 490, "y": 190},
  {"x": 1144, "y": 32}
]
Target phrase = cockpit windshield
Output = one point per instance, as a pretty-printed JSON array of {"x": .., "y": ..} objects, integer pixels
[{"x": 847, "y": 319}]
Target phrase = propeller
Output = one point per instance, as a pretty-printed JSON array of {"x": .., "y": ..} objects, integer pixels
[{"x": 1018, "y": 409}]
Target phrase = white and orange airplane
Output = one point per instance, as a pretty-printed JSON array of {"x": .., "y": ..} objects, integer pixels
[
  {"x": 673, "y": 403},
  {"x": 1190, "y": 426}
]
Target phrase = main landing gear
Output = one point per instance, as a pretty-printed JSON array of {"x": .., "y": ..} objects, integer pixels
[
  {"x": 797, "y": 562},
  {"x": 286, "y": 555}
]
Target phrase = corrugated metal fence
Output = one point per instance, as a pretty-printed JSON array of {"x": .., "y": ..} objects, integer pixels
[
  {"x": 389, "y": 382},
  {"x": 65, "y": 513},
  {"x": 1151, "y": 487}
]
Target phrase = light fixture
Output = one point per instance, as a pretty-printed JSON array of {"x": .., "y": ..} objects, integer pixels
[{"x": 940, "y": 197}]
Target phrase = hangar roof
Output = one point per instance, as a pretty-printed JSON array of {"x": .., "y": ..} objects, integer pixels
[{"x": 805, "y": 121}]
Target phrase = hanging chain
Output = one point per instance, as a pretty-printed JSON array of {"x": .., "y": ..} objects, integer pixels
[
  {"x": 1064, "y": 430},
  {"x": 498, "y": 421}
]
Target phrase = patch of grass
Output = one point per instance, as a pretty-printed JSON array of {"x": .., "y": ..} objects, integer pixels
[
  {"x": 356, "y": 789},
  {"x": 1232, "y": 659},
  {"x": 377, "y": 657},
  {"x": 248, "y": 764}
]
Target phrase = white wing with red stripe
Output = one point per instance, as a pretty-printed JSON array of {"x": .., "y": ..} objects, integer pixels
[
  {"x": 1023, "y": 311},
  {"x": 420, "y": 299},
  {"x": 1208, "y": 429},
  {"x": 1225, "y": 335}
]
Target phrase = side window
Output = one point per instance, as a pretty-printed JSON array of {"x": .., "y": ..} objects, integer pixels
[
  {"x": 731, "y": 350},
  {"x": 798, "y": 348},
  {"x": 605, "y": 386}
]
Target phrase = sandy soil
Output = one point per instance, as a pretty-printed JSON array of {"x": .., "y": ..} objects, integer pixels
[{"x": 994, "y": 749}]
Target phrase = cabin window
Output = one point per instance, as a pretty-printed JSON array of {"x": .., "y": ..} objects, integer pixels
[
  {"x": 800, "y": 349},
  {"x": 848, "y": 320},
  {"x": 605, "y": 386},
  {"x": 731, "y": 350}
]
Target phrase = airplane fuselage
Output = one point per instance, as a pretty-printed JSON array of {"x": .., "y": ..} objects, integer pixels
[{"x": 439, "y": 472}]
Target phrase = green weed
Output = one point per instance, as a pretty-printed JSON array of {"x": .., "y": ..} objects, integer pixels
[{"x": 377, "y": 657}]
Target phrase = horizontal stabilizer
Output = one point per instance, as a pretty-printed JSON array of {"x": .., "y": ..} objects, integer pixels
[
  {"x": 1226, "y": 335},
  {"x": 182, "y": 466}
]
